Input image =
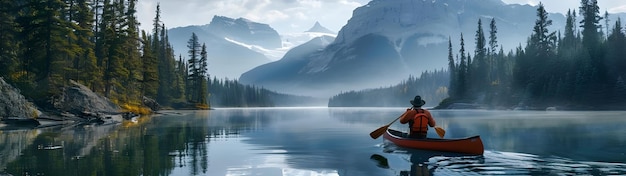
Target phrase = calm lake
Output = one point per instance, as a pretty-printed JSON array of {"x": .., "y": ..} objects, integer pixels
[{"x": 320, "y": 141}]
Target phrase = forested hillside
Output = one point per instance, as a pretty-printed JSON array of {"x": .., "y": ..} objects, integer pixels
[
  {"x": 432, "y": 86},
  {"x": 581, "y": 67},
  {"x": 45, "y": 44}
]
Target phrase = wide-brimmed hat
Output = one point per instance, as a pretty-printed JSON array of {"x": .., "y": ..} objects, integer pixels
[{"x": 417, "y": 101}]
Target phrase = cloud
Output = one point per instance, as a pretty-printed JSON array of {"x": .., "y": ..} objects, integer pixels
[{"x": 618, "y": 9}]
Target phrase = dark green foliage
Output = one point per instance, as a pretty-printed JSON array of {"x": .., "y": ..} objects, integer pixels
[
  {"x": 230, "y": 93},
  {"x": 540, "y": 57},
  {"x": 432, "y": 86},
  {"x": 85, "y": 65},
  {"x": 197, "y": 78},
  {"x": 453, "y": 88},
  {"x": 150, "y": 82},
  {"x": 44, "y": 44},
  {"x": 479, "y": 68},
  {"x": 8, "y": 34},
  {"x": 569, "y": 71},
  {"x": 462, "y": 71}
]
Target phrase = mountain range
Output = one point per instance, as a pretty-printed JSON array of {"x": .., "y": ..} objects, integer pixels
[
  {"x": 235, "y": 46},
  {"x": 383, "y": 43}
]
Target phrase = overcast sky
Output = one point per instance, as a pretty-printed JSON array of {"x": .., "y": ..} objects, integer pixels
[{"x": 288, "y": 16}]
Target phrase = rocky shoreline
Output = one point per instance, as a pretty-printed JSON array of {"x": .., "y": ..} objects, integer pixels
[{"x": 75, "y": 105}]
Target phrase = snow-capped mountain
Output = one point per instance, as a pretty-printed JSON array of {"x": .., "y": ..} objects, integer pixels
[
  {"x": 244, "y": 31},
  {"x": 238, "y": 45},
  {"x": 385, "y": 41},
  {"x": 293, "y": 60},
  {"x": 234, "y": 45},
  {"x": 291, "y": 40}
]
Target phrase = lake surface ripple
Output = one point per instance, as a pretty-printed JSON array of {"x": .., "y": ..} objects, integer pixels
[{"x": 319, "y": 141}]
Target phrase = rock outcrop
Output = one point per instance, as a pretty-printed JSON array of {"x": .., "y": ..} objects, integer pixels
[
  {"x": 78, "y": 99},
  {"x": 151, "y": 103},
  {"x": 14, "y": 105}
]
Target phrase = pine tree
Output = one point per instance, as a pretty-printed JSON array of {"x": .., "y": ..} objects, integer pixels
[
  {"x": 606, "y": 23},
  {"x": 615, "y": 53},
  {"x": 493, "y": 38},
  {"x": 131, "y": 43},
  {"x": 88, "y": 72},
  {"x": 46, "y": 34},
  {"x": 179, "y": 80},
  {"x": 494, "y": 62},
  {"x": 452, "y": 67},
  {"x": 150, "y": 76},
  {"x": 569, "y": 38},
  {"x": 202, "y": 77},
  {"x": 540, "y": 51},
  {"x": 590, "y": 23},
  {"x": 462, "y": 72},
  {"x": 480, "y": 76},
  {"x": 592, "y": 41},
  {"x": 194, "y": 68},
  {"x": 164, "y": 53}
]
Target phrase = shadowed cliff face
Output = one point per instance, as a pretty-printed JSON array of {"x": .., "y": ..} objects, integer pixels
[{"x": 13, "y": 104}]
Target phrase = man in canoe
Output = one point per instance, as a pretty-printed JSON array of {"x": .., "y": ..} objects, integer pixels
[{"x": 419, "y": 119}]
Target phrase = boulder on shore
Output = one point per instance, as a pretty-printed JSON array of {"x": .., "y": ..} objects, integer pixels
[
  {"x": 14, "y": 105},
  {"x": 151, "y": 103},
  {"x": 78, "y": 99}
]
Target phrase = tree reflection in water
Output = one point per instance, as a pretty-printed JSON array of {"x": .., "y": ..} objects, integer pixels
[{"x": 145, "y": 146}]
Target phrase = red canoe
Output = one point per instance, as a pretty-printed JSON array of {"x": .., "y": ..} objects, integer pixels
[{"x": 471, "y": 145}]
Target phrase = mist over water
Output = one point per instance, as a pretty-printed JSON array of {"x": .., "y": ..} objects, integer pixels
[{"x": 322, "y": 141}]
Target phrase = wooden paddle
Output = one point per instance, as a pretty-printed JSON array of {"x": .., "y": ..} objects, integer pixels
[
  {"x": 380, "y": 131},
  {"x": 440, "y": 131}
]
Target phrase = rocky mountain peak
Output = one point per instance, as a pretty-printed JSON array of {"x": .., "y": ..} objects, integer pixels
[
  {"x": 245, "y": 31},
  {"x": 317, "y": 27}
]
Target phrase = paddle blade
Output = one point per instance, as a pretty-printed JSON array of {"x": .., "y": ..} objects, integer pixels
[
  {"x": 378, "y": 132},
  {"x": 440, "y": 131}
]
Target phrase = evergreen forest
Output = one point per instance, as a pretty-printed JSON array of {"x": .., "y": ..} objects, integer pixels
[
  {"x": 231, "y": 93},
  {"x": 97, "y": 43},
  {"x": 432, "y": 86},
  {"x": 578, "y": 68}
]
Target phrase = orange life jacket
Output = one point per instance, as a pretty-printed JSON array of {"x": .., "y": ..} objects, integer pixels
[{"x": 419, "y": 124}]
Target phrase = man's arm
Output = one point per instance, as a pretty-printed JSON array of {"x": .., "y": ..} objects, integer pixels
[
  {"x": 407, "y": 116},
  {"x": 431, "y": 120}
]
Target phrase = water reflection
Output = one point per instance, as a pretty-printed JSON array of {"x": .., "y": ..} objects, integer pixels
[
  {"x": 579, "y": 135},
  {"x": 423, "y": 163},
  {"x": 318, "y": 141},
  {"x": 530, "y": 143},
  {"x": 145, "y": 146},
  {"x": 491, "y": 163}
]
